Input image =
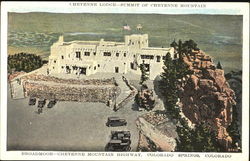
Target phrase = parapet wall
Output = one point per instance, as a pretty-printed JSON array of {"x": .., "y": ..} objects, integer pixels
[
  {"x": 62, "y": 92},
  {"x": 49, "y": 87}
]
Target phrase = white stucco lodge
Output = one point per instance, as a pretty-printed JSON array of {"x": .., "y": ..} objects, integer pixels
[{"x": 90, "y": 57}]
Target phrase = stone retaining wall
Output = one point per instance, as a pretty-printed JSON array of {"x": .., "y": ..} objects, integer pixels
[
  {"x": 39, "y": 77},
  {"x": 64, "y": 92}
]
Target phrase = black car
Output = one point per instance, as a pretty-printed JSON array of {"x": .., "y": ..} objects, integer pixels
[
  {"x": 118, "y": 145},
  {"x": 32, "y": 101},
  {"x": 116, "y": 121},
  {"x": 120, "y": 135},
  {"x": 51, "y": 103},
  {"x": 41, "y": 103}
]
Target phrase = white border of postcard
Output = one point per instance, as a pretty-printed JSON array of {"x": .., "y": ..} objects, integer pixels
[{"x": 126, "y": 7}]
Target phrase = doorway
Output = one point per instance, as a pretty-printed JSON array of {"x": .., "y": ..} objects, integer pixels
[
  {"x": 82, "y": 71},
  {"x": 116, "y": 69}
]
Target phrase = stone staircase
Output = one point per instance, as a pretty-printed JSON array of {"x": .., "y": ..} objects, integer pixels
[{"x": 128, "y": 92}]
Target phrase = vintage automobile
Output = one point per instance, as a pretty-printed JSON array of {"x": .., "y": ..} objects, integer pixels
[
  {"x": 118, "y": 145},
  {"x": 32, "y": 101},
  {"x": 41, "y": 103},
  {"x": 116, "y": 121},
  {"x": 51, "y": 103},
  {"x": 120, "y": 134}
]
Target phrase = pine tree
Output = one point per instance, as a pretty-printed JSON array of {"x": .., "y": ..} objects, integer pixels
[
  {"x": 144, "y": 73},
  {"x": 174, "y": 44},
  {"x": 180, "y": 49},
  {"x": 199, "y": 139},
  {"x": 233, "y": 128},
  {"x": 184, "y": 142},
  {"x": 204, "y": 139},
  {"x": 168, "y": 86},
  {"x": 181, "y": 68},
  {"x": 219, "y": 65},
  {"x": 24, "y": 62}
]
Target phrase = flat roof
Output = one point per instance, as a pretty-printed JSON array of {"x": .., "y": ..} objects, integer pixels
[{"x": 156, "y": 48}]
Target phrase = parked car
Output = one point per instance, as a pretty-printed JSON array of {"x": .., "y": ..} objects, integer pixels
[
  {"x": 51, "y": 103},
  {"x": 32, "y": 101},
  {"x": 118, "y": 145},
  {"x": 116, "y": 121},
  {"x": 41, "y": 103},
  {"x": 120, "y": 135}
]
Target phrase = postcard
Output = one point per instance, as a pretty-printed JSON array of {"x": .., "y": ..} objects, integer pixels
[{"x": 124, "y": 81}]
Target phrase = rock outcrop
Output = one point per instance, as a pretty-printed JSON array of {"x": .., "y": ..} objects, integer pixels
[{"x": 206, "y": 96}]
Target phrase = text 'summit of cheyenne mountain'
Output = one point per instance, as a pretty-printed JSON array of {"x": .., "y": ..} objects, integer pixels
[{"x": 109, "y": 4}]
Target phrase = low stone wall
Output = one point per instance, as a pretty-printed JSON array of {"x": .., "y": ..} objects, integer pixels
[
  {"x": 39, "y": 77},
  {"x": 64, "y": 92},
  {"x": 14, "y": 75}
]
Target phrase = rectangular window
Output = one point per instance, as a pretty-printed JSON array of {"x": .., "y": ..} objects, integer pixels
[
  {"x": 132, "y": 65},
  {"x": 117, "y": 54},
  {"x": 106, "y": 53},
  {"x": 62, "y": 57},
  {"x": 86, "y": 53},
  {"x": 74, "y": 67},
  {"x": 124, "y": 54},
  {"x": 94, "y": 53},
  {"x": 54, "y": 61},
  {"x": 158, "y": 58},
  {"x": 78, "y": 54},
  {"x": 116, "y": 69}
]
